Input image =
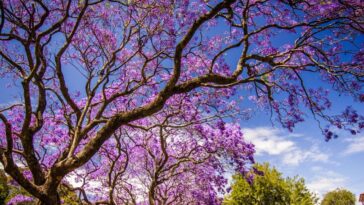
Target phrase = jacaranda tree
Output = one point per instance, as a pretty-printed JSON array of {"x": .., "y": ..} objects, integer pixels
[{"x": 154, "y": 78}]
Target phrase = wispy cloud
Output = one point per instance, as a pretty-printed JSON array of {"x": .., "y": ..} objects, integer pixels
[
  {"x": 298, "y": 155},
  {"x": 355, "y": 145},
  {"x": 271, "y": 141}
]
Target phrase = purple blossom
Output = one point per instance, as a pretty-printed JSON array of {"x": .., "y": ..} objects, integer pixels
[{"x": 19, "y": 199}]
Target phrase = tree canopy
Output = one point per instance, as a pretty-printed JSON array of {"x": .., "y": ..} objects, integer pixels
[
  {"x": 123, "y": 90},
  {"x": 339, "y": 197},
  {"x": 269, "y": 187}
]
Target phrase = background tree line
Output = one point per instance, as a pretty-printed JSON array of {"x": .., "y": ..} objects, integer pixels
[{"x": 271, "y": 188}]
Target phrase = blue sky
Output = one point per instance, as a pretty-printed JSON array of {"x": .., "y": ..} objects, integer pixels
[{"x": 325, "y": 166}]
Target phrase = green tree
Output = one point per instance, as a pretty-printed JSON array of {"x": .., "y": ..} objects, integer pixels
[
  {"x": 299, "y": 194},
  {"x": 269, "y": 189},
  {"x": 339, "y": 197}
]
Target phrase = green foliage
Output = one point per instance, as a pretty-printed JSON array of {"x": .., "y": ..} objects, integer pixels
[
  {"x": 269, "y": 189},
  {"x": 4, "y": 188},
  {"x": 299, "y": 194},
  {"x": 339, "y": 197}
]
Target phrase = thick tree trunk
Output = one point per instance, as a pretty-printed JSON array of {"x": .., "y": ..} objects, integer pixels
[{"x": 50, "y": 190}]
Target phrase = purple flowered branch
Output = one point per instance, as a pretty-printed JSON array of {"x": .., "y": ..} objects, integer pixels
[{"x": 142, "y": 62}]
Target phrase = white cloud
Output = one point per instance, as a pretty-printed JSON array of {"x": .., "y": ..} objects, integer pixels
[
  {"x": 271, "y": 141},
  {"x": 298, "y": 156},
  {"x": 355, "y": 145},
  {"x": 267, "y": 141}
]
